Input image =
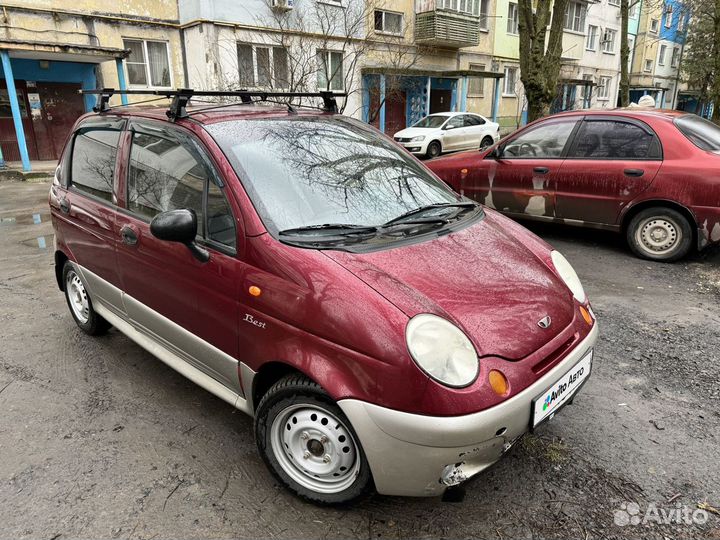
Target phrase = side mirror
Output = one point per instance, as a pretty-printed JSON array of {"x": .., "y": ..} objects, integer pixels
[
  {"x": 449, "y": 126},
  {"x": 495, "y": 153},
  {"x": 179, "y": 226}
]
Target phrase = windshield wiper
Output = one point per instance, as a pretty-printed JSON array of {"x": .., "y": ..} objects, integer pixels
[
  {"x": 330, "y": 230},
  {"x": 405, "y": 218}
]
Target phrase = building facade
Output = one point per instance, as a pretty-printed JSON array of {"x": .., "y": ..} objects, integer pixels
[{"x": 50, "y": 50}]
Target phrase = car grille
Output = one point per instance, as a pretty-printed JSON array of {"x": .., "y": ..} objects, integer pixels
[{"x": 403, "y": 139}]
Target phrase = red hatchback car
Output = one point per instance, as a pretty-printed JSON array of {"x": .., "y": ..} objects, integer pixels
[
  {"x": 653, "y": 175},
  {"x": 383, "y": 331}
]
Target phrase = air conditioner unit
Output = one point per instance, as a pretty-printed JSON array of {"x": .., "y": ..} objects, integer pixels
[{"x": 283, "y": 5}]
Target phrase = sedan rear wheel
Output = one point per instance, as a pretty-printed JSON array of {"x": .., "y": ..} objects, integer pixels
[{"x": 660, "y": 234}]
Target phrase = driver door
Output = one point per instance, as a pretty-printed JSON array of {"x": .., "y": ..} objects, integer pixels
[
  {"x": 453, "y": 133},
  {"x": 521, "y": 180}
]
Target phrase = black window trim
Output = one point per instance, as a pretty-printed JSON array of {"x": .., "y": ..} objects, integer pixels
[
  {"x": 578, "y": 119},
  {"x": 153, "y": 127},
  {"x": 612, "y": 118},
  {"x": 66, "y": 171}
]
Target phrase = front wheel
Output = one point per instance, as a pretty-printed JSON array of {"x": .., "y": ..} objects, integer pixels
[
  {"x": 309, "y": 444},
  {"x": 80, "y": 305},
  {"x": 486, "y": 143},
  {"x": 433, "y": 150},
  {"x": 660, "y": 234}
]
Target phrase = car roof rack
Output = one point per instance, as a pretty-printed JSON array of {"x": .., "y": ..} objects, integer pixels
[{"x": 181, "y": 96}]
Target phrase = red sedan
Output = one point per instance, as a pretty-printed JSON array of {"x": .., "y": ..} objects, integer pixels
[{"x": 653, "y": 175}]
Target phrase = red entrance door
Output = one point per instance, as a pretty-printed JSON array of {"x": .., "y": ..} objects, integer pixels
[{"x": 61, "y": 105}]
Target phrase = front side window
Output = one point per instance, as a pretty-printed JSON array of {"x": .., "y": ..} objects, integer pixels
[
  {"x": 308, "y": 172},
  {"x": 546, "y": 140},
  {"x": 455, "y": 122},
  {"x": 610, "y": 139},
  {"x": 702, "y": 133},
  {"x": 432, "y": 121},
  {"x": 167, "y": 172},
  {"x": 330, "y": 70},
  {"x": 148, "y": 63},
  {"x": 92, "y": 165},
  {"x": 512, "y": 18}
]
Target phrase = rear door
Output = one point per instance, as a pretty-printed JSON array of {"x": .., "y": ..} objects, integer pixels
[
  {"x": 474, "y": 131},
  {"x": 190, "y": 306},
  {"x": 86, "y": 205},
  {"x": 520, "y": 180},
  {"x": 612, "y": 160}
]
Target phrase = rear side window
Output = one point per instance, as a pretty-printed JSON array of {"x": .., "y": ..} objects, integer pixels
[
  {"x": 471, "y": 120},
  {"x": 167, "y": 171},
  {"x": 92, "y": 165},
  {"x": 610, "y": 139},
  {"x": 702, "y": 133}
]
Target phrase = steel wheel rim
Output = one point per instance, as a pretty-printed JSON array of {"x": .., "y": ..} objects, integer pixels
[
  {"x": 77, "y": 297},
  {"x": 658, "y": 235},
  {"x": 315, "y": 448}
]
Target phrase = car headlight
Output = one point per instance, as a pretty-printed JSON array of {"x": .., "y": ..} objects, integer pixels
[
  {"x": 418, "y": 138},
  {"x": 568, "y": 275},
  {"x": 442, "y": 350}
]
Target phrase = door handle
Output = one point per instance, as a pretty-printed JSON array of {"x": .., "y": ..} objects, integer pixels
[
  {"x": 541, "y": 170},
  {"x": 64, "y": 205},
  {"x": 634, "y": 172},
  {"x": 128, "y": 235}
]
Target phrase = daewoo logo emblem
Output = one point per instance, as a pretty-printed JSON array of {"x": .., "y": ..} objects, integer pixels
[{"x": 545, "y": 322}]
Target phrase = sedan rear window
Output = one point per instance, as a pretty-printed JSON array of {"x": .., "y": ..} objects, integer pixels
[{"x": 702, "y": 133}]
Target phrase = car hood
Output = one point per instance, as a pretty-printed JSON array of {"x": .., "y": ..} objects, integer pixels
[
  {"x": 482, "y": 278},
  {"x": 414, "y": 132}
]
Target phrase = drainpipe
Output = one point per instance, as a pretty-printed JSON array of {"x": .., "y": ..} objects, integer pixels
[
  {"x": 427, "y": 101},
  {"x": 464, "y": 94},
  {"x": 121, "y": 80},
  {"x": 496, "y": 99},
  {"x": 382, "y": 102},
  {"x": 15, "y": 107}
]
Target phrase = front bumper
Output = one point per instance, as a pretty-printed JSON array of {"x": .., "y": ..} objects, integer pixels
[
  {"x": 419, "y": 148},
  {"x": 408, "y": 453}
]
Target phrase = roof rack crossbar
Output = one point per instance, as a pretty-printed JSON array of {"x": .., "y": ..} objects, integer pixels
[{"x": 181, "y": 96}]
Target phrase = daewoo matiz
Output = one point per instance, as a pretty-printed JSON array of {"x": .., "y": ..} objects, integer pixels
[{"x": 384, "y": 332}]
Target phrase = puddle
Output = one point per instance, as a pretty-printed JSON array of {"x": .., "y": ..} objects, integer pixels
[
  {"x": 26, "y": 219},
  {"x": 40, "y": 242}
]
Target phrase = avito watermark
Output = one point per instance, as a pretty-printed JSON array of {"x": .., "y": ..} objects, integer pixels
[{"x": 631, "y": 513}]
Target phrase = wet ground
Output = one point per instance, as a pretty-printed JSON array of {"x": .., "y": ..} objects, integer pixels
[{"x": 100, "y": 440}]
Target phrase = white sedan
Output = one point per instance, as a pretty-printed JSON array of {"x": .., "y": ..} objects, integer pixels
[{"x": 448, "y": 132}]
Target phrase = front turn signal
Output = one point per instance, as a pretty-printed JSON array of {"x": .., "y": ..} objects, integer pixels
[
  {"x": 586, "y": 315},
  {"x": 498, "y": 382}
]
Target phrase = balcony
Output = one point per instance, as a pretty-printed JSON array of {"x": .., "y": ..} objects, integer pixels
[{"x": 446, "y": 28}]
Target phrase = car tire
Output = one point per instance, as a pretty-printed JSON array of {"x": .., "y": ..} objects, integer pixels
[
  {"x": 79, "y": 303},
  {"x": 309, "y": 445},
  {"x": 659, "y": 234},
  {"x": 434, "y": 149},
  {"x": 486, "y": 143}
]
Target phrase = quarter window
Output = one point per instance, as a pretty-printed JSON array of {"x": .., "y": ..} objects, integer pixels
[
  {"x": 544, "y": 141},
  {"x": 148, "y": 63},
  {"x": 609, "y": 139},
  {"x": 92, "y": 168},
  {"x": 168, "y": 172}
]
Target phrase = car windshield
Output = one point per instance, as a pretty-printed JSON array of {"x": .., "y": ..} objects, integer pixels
[
  {"x": 433, "y": 121},
  {"x": 702, "y": 133},
  {"x": 321, "y": 171}
]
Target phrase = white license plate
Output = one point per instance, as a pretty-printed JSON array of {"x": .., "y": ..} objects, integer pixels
[{"x": 560, "y": 393}]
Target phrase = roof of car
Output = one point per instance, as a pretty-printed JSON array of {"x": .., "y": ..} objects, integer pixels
[
  {"x": 638, "y": 112},
  {"x": 206, "y": 114}
]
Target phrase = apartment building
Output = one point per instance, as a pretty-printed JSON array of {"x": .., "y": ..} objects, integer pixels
[{"x": 52, "y": 48}]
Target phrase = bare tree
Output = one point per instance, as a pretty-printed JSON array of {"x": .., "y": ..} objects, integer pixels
[{"x": 540, "y": 64}]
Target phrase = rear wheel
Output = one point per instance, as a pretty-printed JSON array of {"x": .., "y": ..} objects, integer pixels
[
  {"x": 486, "y": 143},
  {"x": 309, "y": 444},
  {"x": 660, "y": 234},
  {"x": 433, "y": 150},
  {"x": 80, "y": 305}
]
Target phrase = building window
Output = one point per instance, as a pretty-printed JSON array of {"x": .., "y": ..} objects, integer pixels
[
  {"x": 585, "y": 90},
  {"x": 631, "y": 47},
  {"x": 648, "y": 65},
  {"x": 603, "y": 88},
  {"x": 148, "y": 63},
  {"x": 681, "y": 22},
  {"x": 388, "y": 22},
  {"x": 633, "y": 10},
  {"x": 607, "y": 44},
  {"x": 668, "y": 15},
  {"x": 330, "y": 70},
  {"x": 675, "y": 57},
  {"x": 661, "y": 55},
  {"x": 484, "y": 12},
  {"x": 471, "y": 7},
  {"x": 264, "y": 67},
  {"x": 510, "y": 81},
  {"x": 512, "y": 18},
  {"x": 575, "y": 17},
  {"x": 614, "y": 2},
  {"x": 476, "y": 85},
  {"x": 591, "y": 42},
  {"x": 654, "y": 24}
]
